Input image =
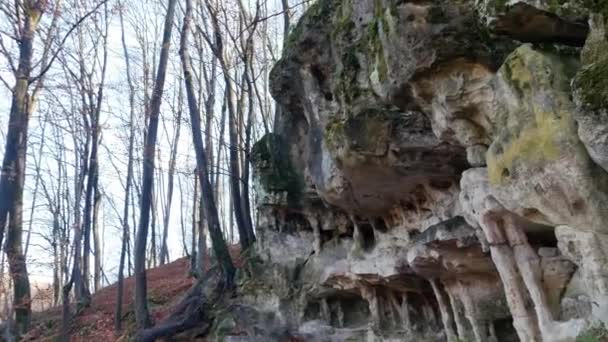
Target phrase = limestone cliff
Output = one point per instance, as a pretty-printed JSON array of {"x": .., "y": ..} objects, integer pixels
[{"x": 439, "y": 171}]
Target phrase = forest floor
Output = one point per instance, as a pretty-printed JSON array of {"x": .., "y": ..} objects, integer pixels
[{"x": 166, "y": 285}]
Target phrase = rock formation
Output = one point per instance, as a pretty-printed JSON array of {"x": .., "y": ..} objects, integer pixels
[{"x": 439, "y": 171}]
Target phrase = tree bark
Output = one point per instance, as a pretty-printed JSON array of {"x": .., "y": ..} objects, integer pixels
[
  {"x": 235, "y": 174},
  {"x": 164, "y": 252},
  {"x": 142, "y": 314},
  {"x": 12, "y": 175},
  {"x": 125, "y": 214},
  {"x": 97, "y": 243},
  {"x": 215, "y": 231},
  {"x": 93, "y": 174}
]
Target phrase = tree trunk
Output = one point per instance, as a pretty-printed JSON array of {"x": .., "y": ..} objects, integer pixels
[
  {"x": 235, "y": 174},
  {"x": 142, "y": 314},
  {"x": 194, "y": 228},
  {"x": 12, "y": 175},
  {"x": 164, "y": 253},
  {"x": 97, "y": 242},
  {"x": 219, "y": 244},
  {"x": 125, "y": 214}
]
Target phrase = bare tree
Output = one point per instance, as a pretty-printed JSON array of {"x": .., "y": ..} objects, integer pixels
[
  {"x": 164, "y": 252},
  {"x": 215, "y": 231},
  {"x": 26, "y": 19},
  {"x": 246, "y": 236},
  {"x": 142, "y": 314},
  {"x": 128, "y": 181}
]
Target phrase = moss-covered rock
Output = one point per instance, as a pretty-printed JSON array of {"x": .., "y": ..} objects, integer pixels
[
  {"x": 590, "y": 87},
  {"x": 273, "y": 169},
  {"x": 537, "y": 159},
  {"x": 533, "y": 130}
]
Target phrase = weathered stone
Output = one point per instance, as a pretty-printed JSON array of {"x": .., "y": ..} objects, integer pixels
[
  {"x": 537, "y": 166},
  {"x": 476, "y": 155},
  {"x": 590, "y": 88},
  {"x": 424, "y": 166}
]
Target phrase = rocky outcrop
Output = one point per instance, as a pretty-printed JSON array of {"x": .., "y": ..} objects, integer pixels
[{"x": 439, "y": 171}]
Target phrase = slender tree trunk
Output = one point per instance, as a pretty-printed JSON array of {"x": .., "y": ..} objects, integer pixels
[
  {"x": 142, "y": 314},
  {"x": 93, "y": 174},
  {"x": 235, "y": 173},
  {"x": 220, "y": 147},
  {"x": 202, "y": 240},
  {"x": 219, "y": 244},
  {"x": 125, "y": 214},
  {"x": 181, "y": 217},
  {"x": 164, "y": 253},
  {"x": 152, "y": 261},
  {"x": 56, "y": 259},
  {"x": 195, "y": 200},
  {"x": 249, "y": 125},
  {"x": 97, "y": 242},
  {"x": 36, "y": 186}
]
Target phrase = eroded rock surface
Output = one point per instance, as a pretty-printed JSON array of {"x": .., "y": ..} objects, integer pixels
[{"x": 438, "y": 172}]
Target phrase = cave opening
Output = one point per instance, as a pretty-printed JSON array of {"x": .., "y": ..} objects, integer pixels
[
  {"x": 343, "y": 310},
  {"x": 348, "y": 311},
  {"x": 327, "y": 236},
  {"x": 504, "y": 330},
  {"x": 380, "y": 225},
  {"x": 542, "y": 237},
  {"x": 295, "y": 222},
  {"x": 349, "y": 231},
  {"x": 312, "y": 311},
  {"x": 367, "y": 236}
]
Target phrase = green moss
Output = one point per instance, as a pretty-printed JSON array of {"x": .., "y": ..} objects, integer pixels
[
  {"x": 274, "y": 169},
  {"x": 364, "y": 132},
  {"x": 596, "y": 333},
  {"x": 535, "y": 131},
  {"x": 592, "y": 85},
  {"x": 344, "y": 23},
  {"x": 598, "y": 6},
  {"x": 373, "y": 42},
  {"x": 437, "y": 14},
  {"x": 319, "y": 14},
  {"x": 334, "y": 133},
  {"x": 536, "y": 142},
  {"x": 347, "y": 84},
  {"x": 393, "y": 8},
  {"x": 501, "y": 5}
]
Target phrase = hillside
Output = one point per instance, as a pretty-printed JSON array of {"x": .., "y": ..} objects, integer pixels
[{"x": 166, "y": 285}]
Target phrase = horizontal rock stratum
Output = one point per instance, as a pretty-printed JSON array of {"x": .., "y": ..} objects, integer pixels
[{"x": 439, "y": 171}]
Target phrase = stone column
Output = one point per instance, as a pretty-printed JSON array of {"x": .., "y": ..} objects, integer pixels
[
  {"x": 444, "y": 308},
  {"x": 340, "y": 315},
  {"x": 530, "y": 270},
  {"x": 461, "y": 329},
  {"x": 470, "y": 311},
  {"x": 405, "y": 313},
  {"x": 325, "y": 311},
  {"x": 369, "y": 294},
  {"x": 524, "y": 321},
  {"x": 428, "y": 312}
]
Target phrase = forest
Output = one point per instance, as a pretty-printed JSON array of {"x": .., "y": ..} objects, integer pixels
[{"x": 126, "y": 130}]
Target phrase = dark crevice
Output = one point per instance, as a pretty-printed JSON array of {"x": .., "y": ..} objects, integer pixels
[{"x": 367, "y": 236}]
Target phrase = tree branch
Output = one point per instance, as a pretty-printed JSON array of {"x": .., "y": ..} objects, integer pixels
[{"x": 48, "y": 66}]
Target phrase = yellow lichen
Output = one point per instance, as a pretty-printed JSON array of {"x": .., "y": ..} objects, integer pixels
[{"x": 537, "y": 142}]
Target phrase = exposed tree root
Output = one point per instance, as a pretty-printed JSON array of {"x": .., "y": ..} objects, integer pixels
[{"x": 194, "y": 311}]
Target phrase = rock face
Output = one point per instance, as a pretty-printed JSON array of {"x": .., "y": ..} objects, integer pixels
[{"x": 439, "y": 171}]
